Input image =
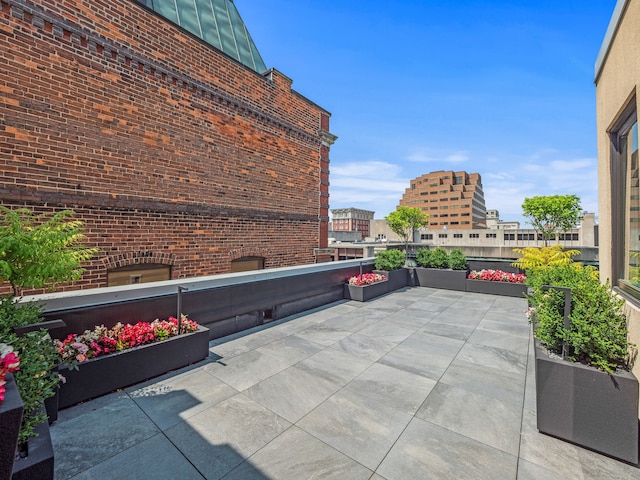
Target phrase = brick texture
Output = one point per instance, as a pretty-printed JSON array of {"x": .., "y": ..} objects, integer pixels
[{"x": 167, "y": 149}]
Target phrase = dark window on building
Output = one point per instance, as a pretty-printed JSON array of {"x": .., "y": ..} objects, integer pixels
[
  {"x": 245, "y": 264},
  {"x": 132, "y": 274},
  {"x": 426, "y": 236},
  {"x": 509, "y": 236},
  {"x": 490, "y": 235},
  {"x": 442, "y": 235},
  {"x": 474, "y": 235},
  {"x": 457, "y": 235}
]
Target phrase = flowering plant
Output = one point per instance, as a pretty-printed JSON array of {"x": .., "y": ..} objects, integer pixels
[
  {"x": 497, "y": 276},
  {"x": 366, "y": 279},
  {"x": 9, "y": 363},
  {"x": 102, "y": 340}
]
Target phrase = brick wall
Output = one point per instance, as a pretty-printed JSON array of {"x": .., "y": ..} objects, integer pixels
[{"x": 165, "y": 147}]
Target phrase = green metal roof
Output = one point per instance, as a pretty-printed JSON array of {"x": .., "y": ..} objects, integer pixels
[{"x": 217, "y": 22}]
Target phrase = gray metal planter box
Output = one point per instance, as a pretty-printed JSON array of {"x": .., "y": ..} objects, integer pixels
[
  {"x": 587, "y": 406},
  {"x": 39, "y": 463},
  {"x": 101, "y": 375},
  {"x": 366, "y": 292},
  {"x": 10, "y": 419},
  {"x": 397, "y": 279},
  {"x": 496, "y": 288},
  {"x": 442, "y": 278}
]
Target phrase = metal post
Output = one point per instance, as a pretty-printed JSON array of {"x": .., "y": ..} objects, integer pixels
[
  {"x": 360, "y": 269},
  {"x": 179, "y": 308},
  {"x": 567, "y": 313}
]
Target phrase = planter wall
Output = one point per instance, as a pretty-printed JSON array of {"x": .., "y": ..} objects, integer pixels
[
  {"x": 366, "y": 292},
  {"x": 587, "y": 406},
  {"x": 101, "y": 375},
  {"x": 397, "y": 279},
  {"x": 496, "y": 288},
  {"x": 225, "y": 304},
  {"x": 10, "y": 419},
  {"x": 442, "y": 278},
  {"x": 39, "y": 463}
]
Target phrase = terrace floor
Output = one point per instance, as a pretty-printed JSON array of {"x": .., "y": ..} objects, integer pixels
[{"x": 421, "y": 383}]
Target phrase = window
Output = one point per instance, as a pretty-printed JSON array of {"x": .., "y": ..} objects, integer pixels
[
  {"x": 490, "y": 235},
  {"x": 569, "y": 236},
  {"x": 245, "y": 264},
  {"x": 509, "y": 236},
  {"x": 426, "y": 236},
  {"x": 526, "y": 236},
  {"x": 457, "y": 235},
  {"x": 442, "y": 235},
  {"x": 474, "y": 235},
  {"x": 433, "y": 208},
  {"x": 465, "y": 222},
  {"x": 132, "y": 274}
]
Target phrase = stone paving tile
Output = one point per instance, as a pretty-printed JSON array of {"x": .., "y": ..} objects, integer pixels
[
  {"x": 495, "y": 358},
  {"x": 503, "y": 341},
  {"x": 567, "y": 460},
  {"x": 459, "y": 332},
  {"x": 425, "y": 450},
  {"x": 98, "y": 434},
  {"x": 171, "y": 399},
  {"x": 220, "y": 438},
  {"x": 276, "y": 392},
  {"x": 135, "y": 463},
  {"x": 335, "y": 366},
  {"x": 296, "y": 455},
  {"x": 401, "y": 390},
  {"x": 357, "y": 426},
  {"x": 487, "y": 420},
  {"x": 369, "y": 348}
]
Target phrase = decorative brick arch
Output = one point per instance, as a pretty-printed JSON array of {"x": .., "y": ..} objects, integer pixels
[
  {"x": 137, "y": 258},
  {"x": 251, "y": 251}
]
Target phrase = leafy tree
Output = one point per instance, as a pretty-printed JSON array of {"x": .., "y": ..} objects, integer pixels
[
  {"x": 543, "y": 257},
  {"x": 38, "y": 251},
  {"x": 35, "y": 252},
  {"x": 404, "y": 221},
  {"x": 552, "y": 214}
]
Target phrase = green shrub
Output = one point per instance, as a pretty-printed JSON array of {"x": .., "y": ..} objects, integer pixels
[
  {"x": 439, "y": 258},
  {"x": 457, "y": 260},
  {"x": 423, "y": 257},
  {"x": 598, "y": 332},
  {"x": 389, "y": 260}
]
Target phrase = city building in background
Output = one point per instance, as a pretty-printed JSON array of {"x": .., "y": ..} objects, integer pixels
[
  {"x": 158, "y": 123},
  {"x": 453, "y": 200},
  {"x": 351, "y": 220}
]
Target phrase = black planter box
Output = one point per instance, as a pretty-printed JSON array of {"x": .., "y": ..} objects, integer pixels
[
  {"x": 366, "y": 292},
  {"x": 39, "y": 463},
  {"x": 10, "y": 419},
  {"x": 442, "y": 278},
  {"x": 496, "y": 288},
  {"x": 586, "y": 406},
  {"x": 397, "y": 279},
  {"x": 101, "y": 375}
]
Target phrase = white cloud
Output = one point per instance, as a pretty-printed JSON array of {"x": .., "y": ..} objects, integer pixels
[{"x": 455, "y": 157}]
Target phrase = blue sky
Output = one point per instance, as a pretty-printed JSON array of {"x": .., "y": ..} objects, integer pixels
[{"x": 502, "y": 88}]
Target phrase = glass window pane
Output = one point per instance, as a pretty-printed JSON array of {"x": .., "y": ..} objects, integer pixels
[{"x": 633, "y": 208}]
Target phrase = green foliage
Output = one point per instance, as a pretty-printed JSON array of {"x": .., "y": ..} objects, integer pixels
[
  {"x": 436, "y": 258},
  {"x": 423, "y": 257},
  {"x": 390, "y": 260},
  {"x": 404, "y": 221},
  {"x": 36, "y": 379},
  {"x": 38, "y": 251},
  {"x": 552, "y": 214},
  {"x": 543, "y": 257},
  {"x": 598, "y": 332},
  {"x": 457, "y": 260}
]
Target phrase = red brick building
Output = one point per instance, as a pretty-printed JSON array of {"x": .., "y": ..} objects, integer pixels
[{"x": 179, "y": 157}]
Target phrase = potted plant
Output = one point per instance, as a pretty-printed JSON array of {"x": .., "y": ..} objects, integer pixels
[
  {"x": 390, "y": 263},
  {"x": 37, "y": 252},
  {"x": 102, "y": 360},
  {"x": 585, "y": 392},
  {"x": 437, "y": 269},
  {"x": 11, "y": 407},
  {"x": 497, "y": 282},
  {"x": 366, "y": 286}
]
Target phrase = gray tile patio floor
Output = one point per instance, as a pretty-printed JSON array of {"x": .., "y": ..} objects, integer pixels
[{"x": 418, "y": 384}]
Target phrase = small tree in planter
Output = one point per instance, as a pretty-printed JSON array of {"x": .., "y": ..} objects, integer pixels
[
  {"x": 404, "y": 221},
  {"x": 552, "y": 214},
  {"x": 586, "y": 395},
  {"x": 35, "y": 252}
]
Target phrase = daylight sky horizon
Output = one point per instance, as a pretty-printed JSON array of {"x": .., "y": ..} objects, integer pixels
[{"x": 504, "y": 89}]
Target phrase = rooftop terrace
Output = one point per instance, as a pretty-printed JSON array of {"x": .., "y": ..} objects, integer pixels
[{"x": 419, "y": 383}]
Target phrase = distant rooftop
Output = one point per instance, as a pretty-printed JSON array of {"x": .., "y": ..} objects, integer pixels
[{"x": 217, "y": 22}]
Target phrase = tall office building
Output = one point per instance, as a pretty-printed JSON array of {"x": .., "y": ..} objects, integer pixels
[{"x": 453, "y": 200}]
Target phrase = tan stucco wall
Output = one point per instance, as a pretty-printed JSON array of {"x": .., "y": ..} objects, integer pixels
[{"x": 618, "y": 81}]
